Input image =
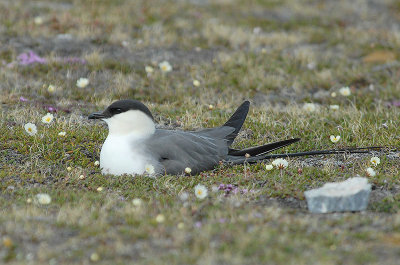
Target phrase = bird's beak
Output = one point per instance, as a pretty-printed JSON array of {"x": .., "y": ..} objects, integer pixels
[{"x": 96, "y": 115}]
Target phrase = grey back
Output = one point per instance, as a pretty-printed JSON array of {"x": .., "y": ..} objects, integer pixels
[{"x": 200, "y": 151}]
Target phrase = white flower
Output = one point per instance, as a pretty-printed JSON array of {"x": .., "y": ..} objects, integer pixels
[
  {"x": 334, "y": 139},
  {"x": 29, "y": 200},
  {"x": 311, "y": 65},
  {"x": 149, "y": 169},
  {"x": 96, "y": 163},
  {"x": 375, "y": 161},
  {"x": 310, "y": 107},
  {"x": 334, "y": 107},
  {"x": 149, "y": 69},
  {"x": 345, "y": 91},
  {"x": 280, "y": 163},
  {"x": 94, "y": 257},
  {"x": 196, "y": 82},
  {"x": 82, "y": 82},
  {"x": 333, "y": 94},
  {"x": 42, "y": 198},
  {"x": 160, "y": 218},
  {"x": 99, "y": 189},
  {"x": 69, "y": 168},
  {"x": 51, "y": 89},
  {"x": 184, "y": 196},
  {"x": 82, "y": 177},
  {"x": 181, "y": 226},
  {"x": 47, "y": 118},
  {"x": 256, "y": 30},
  {"x": 62, "y": 133},
  {"x": 200, "y": 191},
  {"x": 269, "y": 167},
  {"x": 30, "y": 128},
  {"x": 188, "y": 170},
  {"x": 165, "y": 67},
  {"x": 38, "y": 21},
  {"x": 137, "y": 202},
  {"x": 371, "y": 172},
  {"x": 210, "y": 107}
]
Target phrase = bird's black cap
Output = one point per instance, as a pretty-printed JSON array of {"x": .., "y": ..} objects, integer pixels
[{"x": 121, "y": 106}]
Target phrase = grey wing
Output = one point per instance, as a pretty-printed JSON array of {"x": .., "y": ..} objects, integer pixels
[
  {"x": 177, "y": 150},
  {"x": 218, "y": 132}
]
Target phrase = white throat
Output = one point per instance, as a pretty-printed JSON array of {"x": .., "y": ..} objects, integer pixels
[
  {"x": 131, "y": 122},
  {"x": 123, "y": 152}
]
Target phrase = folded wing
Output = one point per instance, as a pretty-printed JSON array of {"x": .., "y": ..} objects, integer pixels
[{"x": 199, "y": 151}]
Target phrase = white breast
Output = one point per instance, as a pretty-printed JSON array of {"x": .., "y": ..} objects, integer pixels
[
  {"x": 123, "y": 152},
  {"x": 123, "y": 155}
]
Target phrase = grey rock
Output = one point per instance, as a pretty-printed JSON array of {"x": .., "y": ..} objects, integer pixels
[{"x": 350, "y": 195}]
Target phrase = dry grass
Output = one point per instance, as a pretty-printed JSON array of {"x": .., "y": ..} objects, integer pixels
[{"x": 278, "y": 54}]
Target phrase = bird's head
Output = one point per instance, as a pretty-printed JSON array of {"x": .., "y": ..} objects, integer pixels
[{"x": 126, "y": 117}]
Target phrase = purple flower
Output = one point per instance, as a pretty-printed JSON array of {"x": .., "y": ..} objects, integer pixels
[
  {"x": 22, "y": 99},
  {"x": 222, "y": 220},
  {"x": 198, "y": 224},
  {"x": 229, "y": 188},
  {"x": 396, "y": 103},
  {"x": 51, "y": 109},
  {"x": 30, "y": 58}
]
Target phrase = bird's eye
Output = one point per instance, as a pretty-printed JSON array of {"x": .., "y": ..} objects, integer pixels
[{"x": 117, "y": 111}]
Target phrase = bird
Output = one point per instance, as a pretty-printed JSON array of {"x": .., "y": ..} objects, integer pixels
[{"x": 135, "y": 146}]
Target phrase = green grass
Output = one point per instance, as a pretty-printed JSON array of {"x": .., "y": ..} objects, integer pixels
[{"x": 212, "y": 42}]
